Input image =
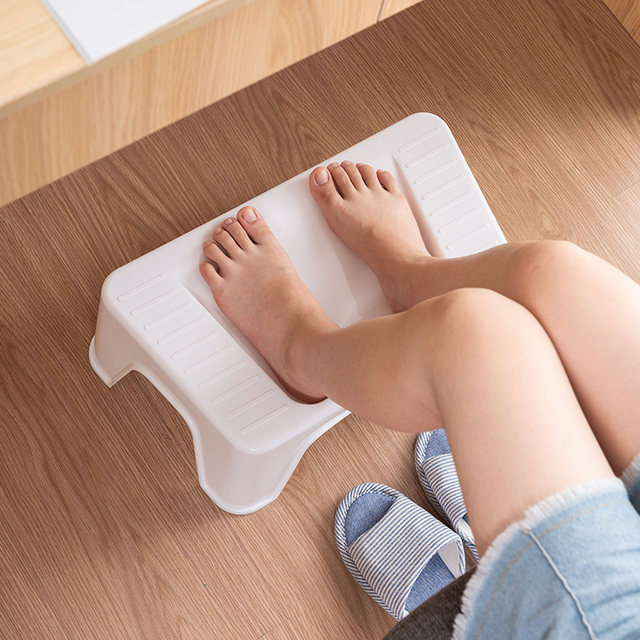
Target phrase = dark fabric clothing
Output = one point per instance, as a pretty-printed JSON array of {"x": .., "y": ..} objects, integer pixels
[{"x": 433, "y": 619}]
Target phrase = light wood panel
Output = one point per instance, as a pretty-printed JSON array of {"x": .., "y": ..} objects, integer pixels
[
  {"x": 391, "y": 7},
  {"x": 37, "y": 59},
  {"x": 104, "y": 531},
  {"x": 628, "y": 12},
  {"x": 33, "y": 50},
  {"x": 105, "y": 111}
]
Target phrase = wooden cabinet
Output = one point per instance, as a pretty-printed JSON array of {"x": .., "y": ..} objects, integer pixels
[{"x": 58, "y": 114}]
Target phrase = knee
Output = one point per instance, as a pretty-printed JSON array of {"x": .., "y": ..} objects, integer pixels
[
  {"x": 474, "y": 319},
  {"x": 472, "y": 331},
  {"x": 472, "y": 309},
  {"x": 537, "y": 267}
]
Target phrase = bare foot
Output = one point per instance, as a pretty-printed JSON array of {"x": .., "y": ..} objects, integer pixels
[
  {"x": 367, "y": 211},
  {"x": 257, "y": 288}
]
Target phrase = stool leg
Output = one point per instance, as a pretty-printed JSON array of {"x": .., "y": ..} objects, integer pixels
[{"x": 112, "y": 351}]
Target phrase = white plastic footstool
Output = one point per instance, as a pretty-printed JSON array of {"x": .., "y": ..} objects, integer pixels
[{"x": 157, "y": 315}]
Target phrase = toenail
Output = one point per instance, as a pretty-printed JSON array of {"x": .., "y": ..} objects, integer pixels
[
  {"x": 322, "y": 176},
  {"x": 249, "y": 215},
  {"x": 218, "y": 230},
  {"x": 333, "y": 165},
  {"x": 346, "y": 163},
  {"x": 228, "y": 221}
]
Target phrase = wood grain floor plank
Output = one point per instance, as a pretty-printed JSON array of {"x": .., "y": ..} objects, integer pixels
[{"x": 105, "y": 532}]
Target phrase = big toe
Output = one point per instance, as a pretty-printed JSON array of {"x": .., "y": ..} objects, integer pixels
[
  {"x": 255, "y": 225},
  {"x": 323, "y": 189}
]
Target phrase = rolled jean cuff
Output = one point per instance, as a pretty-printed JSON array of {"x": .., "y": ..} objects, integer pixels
[{"x": 555, "y": 571}]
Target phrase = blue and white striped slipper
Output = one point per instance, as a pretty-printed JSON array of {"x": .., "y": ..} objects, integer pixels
[
  {"x": 396, "y": 551},
  {"x": 438, "y": 477}
]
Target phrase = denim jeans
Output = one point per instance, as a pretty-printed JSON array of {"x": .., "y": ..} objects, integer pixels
[{"x": 569, "y": 569}]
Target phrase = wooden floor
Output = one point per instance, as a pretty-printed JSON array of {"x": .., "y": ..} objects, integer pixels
[{"x": 104, "y": 531}]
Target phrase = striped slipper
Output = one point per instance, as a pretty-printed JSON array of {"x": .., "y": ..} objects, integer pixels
[
  {"x": 438, "y": 477},
  {"x": 396, "y": 551}
]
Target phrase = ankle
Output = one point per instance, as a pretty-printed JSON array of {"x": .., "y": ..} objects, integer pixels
[
  {"x": 408, "y": 281},
  {"x": 417, "y": 264},
  {"x": 302, "y": 342}
]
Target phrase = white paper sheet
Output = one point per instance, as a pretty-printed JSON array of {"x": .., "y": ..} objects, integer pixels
[{"x": 98, "y": 28}]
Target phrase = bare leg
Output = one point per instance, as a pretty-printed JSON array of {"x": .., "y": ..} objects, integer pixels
[
  {"x": 471, "y": 360},
  {"x": 590, "y": 310}
]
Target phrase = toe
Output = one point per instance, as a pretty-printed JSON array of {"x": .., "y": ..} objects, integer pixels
[
  {"x": 323, "y": 188},
  {"x": 211, "y": 276},
  {"x": 341, "y": 179},
  {"x": 353, "y": 173},
  {"x": 214, "y": 253},
  {"x": 226, "y": 241},
  {"x": 369, "y": 176},
  {"x": 255, "y": 225},
  {"x": 388, "y": 181},
  {"x": 237, "y": 232}
]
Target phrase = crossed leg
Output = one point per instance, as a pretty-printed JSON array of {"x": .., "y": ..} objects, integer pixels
[
  {"x": 470, "y": 359},
  {"x": 590, "y": 310}
]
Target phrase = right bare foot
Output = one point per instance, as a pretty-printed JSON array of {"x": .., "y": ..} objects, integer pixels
[
  {"x": 255, "y": 285},
  {"x": 369, "y": 213}
]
